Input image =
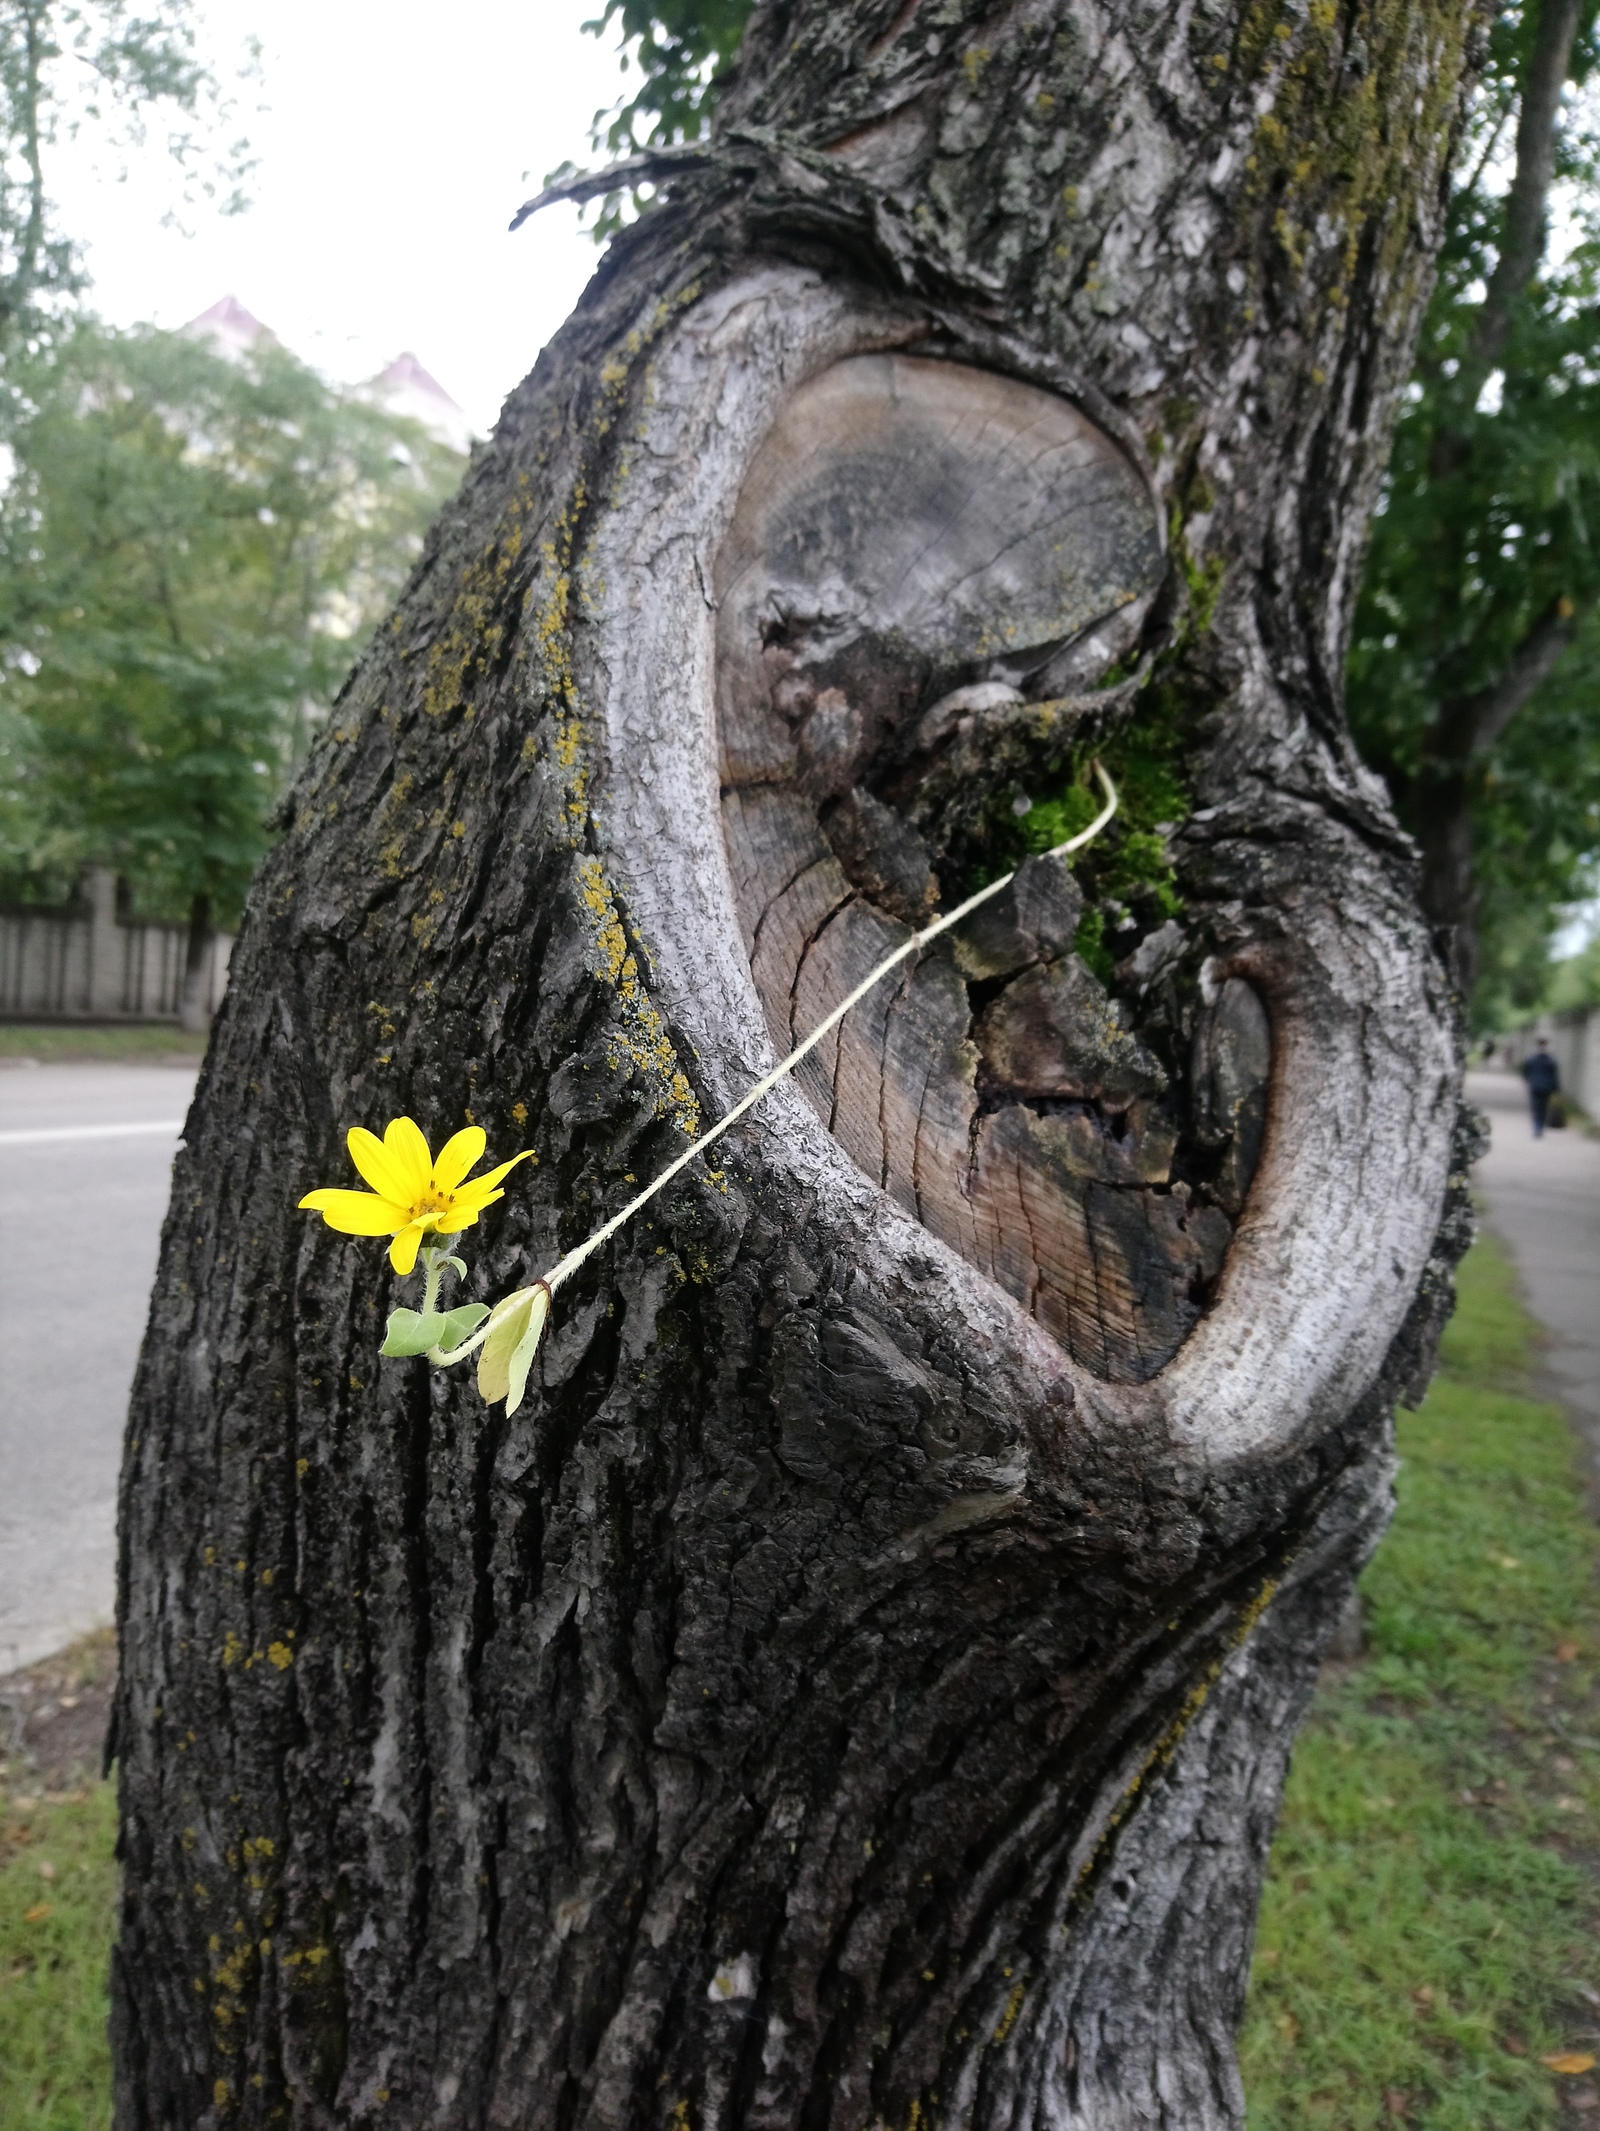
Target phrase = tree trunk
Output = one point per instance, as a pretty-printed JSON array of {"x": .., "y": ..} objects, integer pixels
[
  {"x": 856, "y": 1686},
  {"x": 1450, "y": 781},
  {"x": 194, "y": 1007}
]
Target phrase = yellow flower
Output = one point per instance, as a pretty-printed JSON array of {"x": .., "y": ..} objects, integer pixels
[{"x": 416, "y": 1195}]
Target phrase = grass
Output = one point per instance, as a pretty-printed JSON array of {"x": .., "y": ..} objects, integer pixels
[
  {"x": 67, "y": 1042},
  {"x": 58, "y": 1891},
  {"x": 55, "y": 2069},
  {"x": 1432, "y": 1918},
  {"x": 1430, "y": 1931}
]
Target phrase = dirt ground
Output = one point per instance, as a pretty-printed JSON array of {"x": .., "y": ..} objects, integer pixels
[{"x": 53, "y": 1718}]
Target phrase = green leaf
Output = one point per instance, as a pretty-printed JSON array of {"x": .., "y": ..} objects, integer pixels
[
  {"x": 460, "y": 1265},
  {"x": 460, "y": 1323},
  {"x": 522, "y": 1360},
  {"x": 494, "y": 1356},
  {"x": 409, "y": 1332},
  {"x": 507, "y": 1354}
]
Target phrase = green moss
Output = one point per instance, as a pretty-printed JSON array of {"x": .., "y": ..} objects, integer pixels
[
  {"x": 1089, "y": 944},
  {"x": 1128, "y": 863},
  {"x": 1361, "y": 101}
]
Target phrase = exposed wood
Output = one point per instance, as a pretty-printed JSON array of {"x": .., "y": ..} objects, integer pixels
[{"x": 917, "y": 543}]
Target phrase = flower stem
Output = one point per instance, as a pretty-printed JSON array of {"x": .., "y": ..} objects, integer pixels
[{"x": 433, "y": 1264}]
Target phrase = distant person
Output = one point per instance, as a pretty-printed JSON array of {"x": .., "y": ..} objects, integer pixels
[{"x": 1543, "y": 1076}]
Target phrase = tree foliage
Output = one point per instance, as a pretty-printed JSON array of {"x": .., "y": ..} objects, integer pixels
[
  {"x": 1476, "y": 656},
  {"x": 191, "y": 550},
  {"x": 682, "y": 48},
  {"x": 65, "y": 64}
]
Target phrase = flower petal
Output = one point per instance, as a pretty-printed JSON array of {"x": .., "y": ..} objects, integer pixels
[
  {"x": 357, "y": 1213},
  {"x": 491, "y": 1177},
  {"x": 389, "y": 1179},
  {"x": 457, "y": 1156},
  {"x": 473, "y": 1197},
  {"x": 465, "y": 1215},
  {"x": 403, "y": 1250},
  {"x": 405, "y": 1146}
]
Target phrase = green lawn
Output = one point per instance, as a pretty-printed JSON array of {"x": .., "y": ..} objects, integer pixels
[
  {"x": 1431, "y": 1927},
  {"x": 59, "y": 1043},
  {"x": 58, "y": 1890},
  {"x": 1432, "y": 1923}
]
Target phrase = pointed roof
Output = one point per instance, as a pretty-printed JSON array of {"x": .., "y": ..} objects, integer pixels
[
  {"x": 404, "y": 387},
  {"x": 230, "y": 327}
]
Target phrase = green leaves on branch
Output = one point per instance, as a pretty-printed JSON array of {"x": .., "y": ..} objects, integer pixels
[
  {"x": 70, "y": 65},
  {"x": 683, "y": 49}
]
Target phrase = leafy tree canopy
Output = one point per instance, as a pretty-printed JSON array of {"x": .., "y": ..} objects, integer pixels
[
  {"x": 190, "y": 550},
  {"x": 1475, "y": 666}
]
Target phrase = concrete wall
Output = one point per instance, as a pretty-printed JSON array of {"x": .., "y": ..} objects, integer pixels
[
  {"x": 85, "y": 963},
  {"x": 1574, "y": 1040}
]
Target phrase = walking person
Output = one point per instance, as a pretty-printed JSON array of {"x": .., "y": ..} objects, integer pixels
[{"x": 1543, "y": 1076}]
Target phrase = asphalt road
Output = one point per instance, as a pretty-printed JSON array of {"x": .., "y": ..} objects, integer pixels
[
  {"x": 85, "y": 1161},
  {"x": 1543, "y": 1201}
]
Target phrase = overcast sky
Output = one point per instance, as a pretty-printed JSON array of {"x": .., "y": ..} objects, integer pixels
[{"x": 393, "y": 153}]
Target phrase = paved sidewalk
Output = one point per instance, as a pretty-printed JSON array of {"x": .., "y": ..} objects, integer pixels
[
  {"x": 85, "y": 1162},
  {"x": 1543, "y": 1200}
]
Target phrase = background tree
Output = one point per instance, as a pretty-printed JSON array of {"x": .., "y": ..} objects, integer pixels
[
  {"x": 193, "y": 548},
  {"x": 65, "y": 64},
  {"x": 856, "y": 1685},
  {"x": 683, "y": 49},
  {"x": 1473, "y": 676}
]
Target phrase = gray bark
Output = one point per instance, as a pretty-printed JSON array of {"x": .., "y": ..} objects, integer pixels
[{"x": 856, "y": 1687}]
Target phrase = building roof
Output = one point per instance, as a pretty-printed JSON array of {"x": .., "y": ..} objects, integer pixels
[
  {"x": 403, "y": 388},
  {"x": 406, "y": 388},
  {"x": 230, "y": 326}
]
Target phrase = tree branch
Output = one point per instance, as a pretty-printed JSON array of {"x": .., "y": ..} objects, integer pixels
[
  {"x": 1523, "y": 233},
  {"x": 1470, "y": 725}
]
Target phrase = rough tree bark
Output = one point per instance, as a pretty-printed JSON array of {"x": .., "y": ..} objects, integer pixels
[{"x": 857, "y": 1686}]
